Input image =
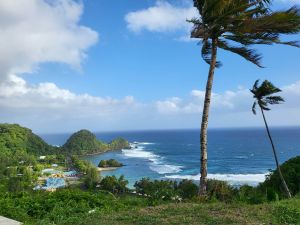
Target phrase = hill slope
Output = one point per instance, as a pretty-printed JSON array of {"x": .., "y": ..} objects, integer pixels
[
  {"x": 291, "y": 172},
  {"x": 14, "y": 138},
  {"x": 84, "y": 142}
]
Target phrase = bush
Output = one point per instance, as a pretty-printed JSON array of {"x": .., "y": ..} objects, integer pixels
[
  {"x": 114, "y": 185},
  {"x": 187, "y": 189},
  {"x": 81, "y": 165},
  {"x": 109, "y": 163},
  {"x": 220, "y": 190},
  {"x": 92, "y": 177},
  {"x": 156, "y": 190},
  {"x": 287, "y": 214},
  {"x": 291, "y": 173},
  {"x": 55, "y": 208},
  {"x": 251, "y": 195}
]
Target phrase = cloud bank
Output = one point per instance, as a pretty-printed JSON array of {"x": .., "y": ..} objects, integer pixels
[
  {"x": 40, "y": 31},
  {"x": 162, "y": 17},
  {"x": 48, "y": 108}
]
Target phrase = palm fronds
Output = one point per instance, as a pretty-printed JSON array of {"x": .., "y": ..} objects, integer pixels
[
  {"x": 264, "y": 95},
  {"x": 239, "y": 24}
]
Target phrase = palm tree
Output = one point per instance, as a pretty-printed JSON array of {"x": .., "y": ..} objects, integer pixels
[
  {"x": 235, "y": 26},
  {"x": 263, "y": 96}
]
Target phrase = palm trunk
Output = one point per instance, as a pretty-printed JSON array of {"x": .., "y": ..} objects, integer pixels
[
  {"x": 204, "y": 123},
  {"x": 275, "y": 156}
]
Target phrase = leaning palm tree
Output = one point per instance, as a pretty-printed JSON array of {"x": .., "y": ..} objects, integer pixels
[
  {"x": 235, "y": 26},
  {"x": 264, "y": 95}
]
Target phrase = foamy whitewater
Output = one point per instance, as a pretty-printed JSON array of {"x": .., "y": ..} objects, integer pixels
[
  {"x": 234, "y": 179},
  {"x": 239, "y": 156},
  {"x": 138, "y": 151},
  {"x": 157, "y": 163}
]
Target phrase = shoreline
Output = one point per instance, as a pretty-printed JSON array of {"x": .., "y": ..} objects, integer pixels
[
  {"x": 107, "y": 168},
  {"x": 98, "y": 153}
]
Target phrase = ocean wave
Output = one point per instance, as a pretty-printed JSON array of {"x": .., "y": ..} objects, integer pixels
[
  {"x": 157, "y": 163},
  {"x": 234, "y": 179},
  {"x": 241, "y": 157},
  {"x": 146, "y": 143},
  {"x": 139, "y": 153},
  {"x": 165, "y": 168}
]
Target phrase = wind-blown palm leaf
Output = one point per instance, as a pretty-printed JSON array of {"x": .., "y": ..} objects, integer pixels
[
  {"x": 246, "y": 53},
  {"x": 206, "y": 52},
  {"x": 235, "y": 26},
  {"x": 245, "y": 22},
  {"x": 274, "y": 100},
  {"x": 254, "y": 108},
  {"x": 263, "y": 95}
]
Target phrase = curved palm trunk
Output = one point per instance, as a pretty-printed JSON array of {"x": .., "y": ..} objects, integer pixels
[
  {"x": 275, "y": 156},
  {"x": 204, "y": 123}
]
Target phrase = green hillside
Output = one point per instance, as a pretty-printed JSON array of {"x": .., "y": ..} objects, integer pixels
[
  {"x": 14, "y": 138},
  {"x": 291, "y": 172},
  {"x": 84, "y": 142}
]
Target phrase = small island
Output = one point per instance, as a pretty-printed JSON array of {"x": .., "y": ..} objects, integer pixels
[
  {"x": 85, "y": 142},
  {"x": 110, "y": 164}
]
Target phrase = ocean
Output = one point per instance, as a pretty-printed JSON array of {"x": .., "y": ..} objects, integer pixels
[{"x": 239, "y": 156}]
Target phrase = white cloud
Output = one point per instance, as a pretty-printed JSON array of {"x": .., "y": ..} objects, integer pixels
[
  {"x": 46, "y": 107},
  {"x": 39, "y": 31},
  {"x": 16, "y": 93},
  {"x": 233, "y": 108},
  {"x": 162, "y": 17},
  {"x": 228, "y": 101},
  {"x": 56, "y": 108}
]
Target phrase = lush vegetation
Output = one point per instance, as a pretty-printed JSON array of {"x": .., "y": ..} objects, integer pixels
[
  {"x": 291, "y": 173},
  {"x": 236, "y": 26},
  {"x": 264, "y": 96},
  {"x": 15, "y": 140},
  {"x": 84, "y": 142},
  {"x": 109, "y": 163},
  {"x": 74, "y": 206},
  {"x": 109, "y": 201},
  {"x": 21, "y": 144},
  {"x": 93, "y": 199},
  {"x": 114, "y": 185}
]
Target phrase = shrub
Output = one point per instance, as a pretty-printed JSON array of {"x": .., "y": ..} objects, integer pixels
[
  {"x": 220, "y": 190},
  {"x": 114, "y": 185},
  {"x": 287, "y": 214},
  {"x": 156, "y": 190},
  {"x": 272, "y": 195},
  {"x": 109, "y": 163},
  {"x": 187, "y": 189},
  {"x": 250, "y": 195},
  {"x": 291, "y": 172},
  {"x": 92, "y": 177}
]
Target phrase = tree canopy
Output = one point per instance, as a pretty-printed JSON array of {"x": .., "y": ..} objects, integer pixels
[
  {"x": 84, "y": 142},
  {"x": 14, "y": 138}
]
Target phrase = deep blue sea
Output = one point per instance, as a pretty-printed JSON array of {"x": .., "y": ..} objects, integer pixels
[{"x": 239, "y": 156}]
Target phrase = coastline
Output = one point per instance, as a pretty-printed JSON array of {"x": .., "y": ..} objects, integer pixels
[
  {"x": 106, "y": 168},
  {"x": 98, "y": 153}
]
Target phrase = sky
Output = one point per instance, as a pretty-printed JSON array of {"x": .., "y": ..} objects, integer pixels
[{"x": 101, "y": 65}]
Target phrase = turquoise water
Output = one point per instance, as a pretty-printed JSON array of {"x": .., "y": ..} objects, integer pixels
[{"x": 236, "y": 155}]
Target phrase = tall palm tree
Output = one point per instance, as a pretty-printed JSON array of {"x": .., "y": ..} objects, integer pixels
[
  {"x": 235, "y": 26},
  {"x": 264, "y": 95}
]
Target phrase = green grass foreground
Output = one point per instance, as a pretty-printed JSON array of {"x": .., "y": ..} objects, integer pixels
[
  {"x": 86, "y": 207},
  {"x": 285, "y": 212}
]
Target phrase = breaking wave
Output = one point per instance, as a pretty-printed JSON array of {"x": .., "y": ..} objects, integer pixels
[
  {"x": 234, "y": 179},
  {"x": 157, "y": 163}
]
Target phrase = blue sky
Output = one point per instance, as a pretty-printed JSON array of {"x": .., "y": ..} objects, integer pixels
[{"x": 123, "y": 68}]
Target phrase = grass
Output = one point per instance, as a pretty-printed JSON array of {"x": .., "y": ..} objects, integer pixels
[
  {"x": 283, "y": 212},
  {"x": 74, "y": 206}
]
